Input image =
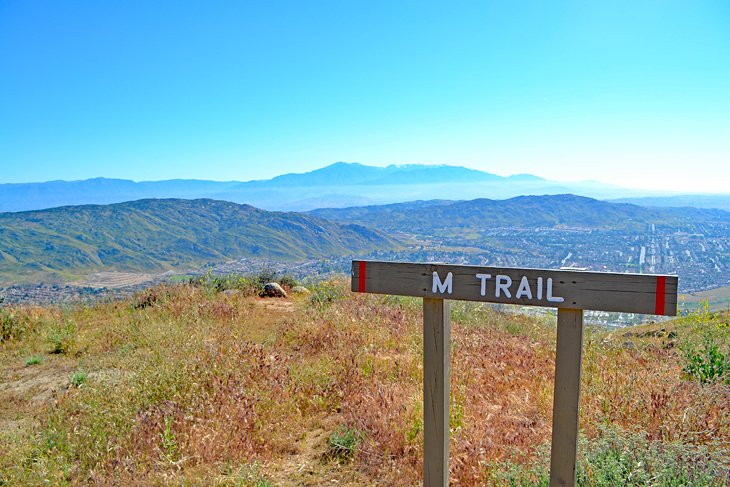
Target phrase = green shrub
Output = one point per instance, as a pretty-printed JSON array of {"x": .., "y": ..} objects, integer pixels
[
  {"x": 342, "y": 444},
  {"x": 250, "y": 286},
  {"x": 264, "y": 277},
  {"x": 168, "y": 442},
  {"x": 62, "y": 336},
  {"x": 708, "y": 364},
  {"x": 219, "y": 283},
  {"x": 620, "y": 457},
  {"x": 34, "y": 360},
  {"x": 705, "y": 344},
  {"x": 326, "y": 292},
  {"x": 78, "y": 378},
  {"x": 288, "y": 281},
  {"x": 12, "y": 326},
  {"x": 247, "y": 475}
]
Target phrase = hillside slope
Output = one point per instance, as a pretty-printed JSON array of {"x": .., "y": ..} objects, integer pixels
[
  {"x": 163, "y": 234},
  {"x": 554, "y": 211},
  {"x": 186, "y": 385}
]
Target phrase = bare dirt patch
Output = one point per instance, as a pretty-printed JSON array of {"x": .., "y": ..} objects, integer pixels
[
  {"x": 275, "y": 305},
  {"x": 35, "y": 384},
  {"x": 115, "y": 280},
  {"x": 310, "y": 466},
  {"x": 24, "y": 391}
]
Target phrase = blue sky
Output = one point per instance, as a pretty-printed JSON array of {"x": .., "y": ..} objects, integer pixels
[{"x": 633, "y": 93}]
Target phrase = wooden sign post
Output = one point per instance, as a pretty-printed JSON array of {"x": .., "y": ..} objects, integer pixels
[{"x": 569, "y": 291}]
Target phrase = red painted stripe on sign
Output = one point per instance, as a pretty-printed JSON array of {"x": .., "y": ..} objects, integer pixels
[
  {"x": 661, "y": 282},
  {"x": 361, "y": 285}
]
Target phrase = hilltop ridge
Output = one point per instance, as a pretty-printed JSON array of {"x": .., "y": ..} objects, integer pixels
[
  {"x": 162, "y": 234},
  {"x": 206, "y": 382},
  {"x": 437, "y": 216}
]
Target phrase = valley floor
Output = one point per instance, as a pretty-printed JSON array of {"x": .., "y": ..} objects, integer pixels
[{"x": 203, "y": 385}]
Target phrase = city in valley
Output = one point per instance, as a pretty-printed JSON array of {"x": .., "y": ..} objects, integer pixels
[{"x": 699, "y": 254}]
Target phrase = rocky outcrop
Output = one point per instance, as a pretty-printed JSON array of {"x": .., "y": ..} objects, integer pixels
[
  {"x": 300, "y": 290},
  {"x": 274, "y": 290}
]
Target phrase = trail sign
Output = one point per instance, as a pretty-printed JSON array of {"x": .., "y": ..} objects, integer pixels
[
  {"x": 600, "y": 291},
  {"x": 569, "y": 291}
]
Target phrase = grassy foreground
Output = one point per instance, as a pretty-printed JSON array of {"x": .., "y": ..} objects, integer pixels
[{"x": 194, "y": 385}]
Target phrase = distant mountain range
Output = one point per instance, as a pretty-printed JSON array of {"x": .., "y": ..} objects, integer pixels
[
  {"x": 440, "y": 217},
  {"x": 157, "y": 235},
  {"x": 338, "y": 185}
]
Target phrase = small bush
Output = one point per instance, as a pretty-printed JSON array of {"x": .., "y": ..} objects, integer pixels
[
  {"x": 620, "y": 457},
  {"x": 247, "y": 475},
  {"x": 153, "y": 296},
  {"x": 78, "y": 378},
  {"x": 219, "y": 283},
  {"x": 708, "y": 364},
  {"x": 145, "y": 299},
  {"x": 12, "y": 326},
  {"x": 706, "y": 346},
  {"x": 248, "y": 285},
  {"x": 168, "y": 442},
  {"x": 326, "y": 292},
  {"x": 343, "y": 443},
  {"x": 288, "y": 281},
  {"x": 34, "y": 360},
  {"x": 62, "y": 336},
  {"x": 264, "y": 277}
]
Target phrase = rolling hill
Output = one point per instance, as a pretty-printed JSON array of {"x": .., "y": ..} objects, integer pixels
[
  {"x": 550, "y": 211},
  {"x": 559, "y": 231},
  {"x": 157, "y": 235}
]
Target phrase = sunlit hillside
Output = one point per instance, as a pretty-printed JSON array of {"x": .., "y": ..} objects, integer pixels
[
  {"x": 210, "y": 384},
  {"x": 158, "y": 235}
]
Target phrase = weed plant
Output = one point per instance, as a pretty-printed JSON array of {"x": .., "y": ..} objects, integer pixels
[
  {"x": 324, "y": 293},
  {"x": 706, "y": 345},
  {"x": 343, "y": 443},
  {"x": 620, "y": 457},
  {"x": 34, "y": 360},
  {"x": 247, "y": 285},
  {"x": 12, "y": 325},
  {"x": 78, "y": 378},
  {"x": 61, "y": 336}
]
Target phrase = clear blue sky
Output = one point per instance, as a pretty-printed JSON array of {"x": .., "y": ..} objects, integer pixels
[{"x": 635, "y": 93}]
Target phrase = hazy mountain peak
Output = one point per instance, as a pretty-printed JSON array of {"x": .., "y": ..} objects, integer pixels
[
  {"x": 338, "y": 184},
  {"x": 525, "y": 177}
]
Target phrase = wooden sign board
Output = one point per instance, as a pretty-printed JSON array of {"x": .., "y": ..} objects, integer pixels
[
  {"x": 599, "y": 291},
  {"x": 569, "y": 291}
]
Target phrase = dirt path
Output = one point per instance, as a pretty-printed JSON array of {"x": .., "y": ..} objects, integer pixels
[{"x": 25, "y": 390}]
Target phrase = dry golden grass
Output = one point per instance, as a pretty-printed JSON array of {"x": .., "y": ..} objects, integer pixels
[{"x": 189, "y": 386}]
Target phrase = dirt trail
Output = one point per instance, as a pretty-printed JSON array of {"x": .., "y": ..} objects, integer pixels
[{"x": 275, "y": 305}]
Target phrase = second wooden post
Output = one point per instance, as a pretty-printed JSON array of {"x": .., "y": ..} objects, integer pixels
[
  {"x": 436, "y": 356},
  {"x": 566, "y": 402}
]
